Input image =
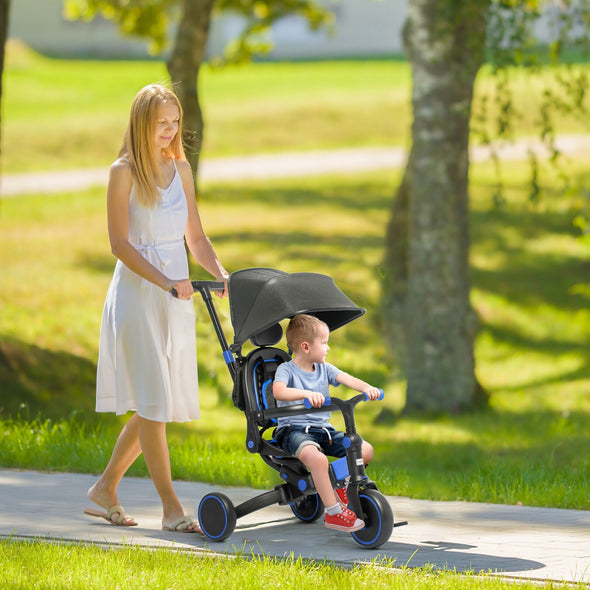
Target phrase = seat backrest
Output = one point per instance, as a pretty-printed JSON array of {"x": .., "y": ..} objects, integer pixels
[{"x": 259, "y": 370}]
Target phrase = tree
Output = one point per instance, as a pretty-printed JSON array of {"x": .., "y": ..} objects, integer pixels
[
  {"x": 426, "y": 307},
  {"x": 4, "y": 16},
  {"x": 151, "y": 20},
  {"x": 427, "y": 255}
]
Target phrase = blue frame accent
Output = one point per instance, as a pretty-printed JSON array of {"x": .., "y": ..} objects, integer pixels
[
  {"x": 228, "y": 357},
  {"x": 340, "y": 467},
  {"x": 260, "y": 395}
]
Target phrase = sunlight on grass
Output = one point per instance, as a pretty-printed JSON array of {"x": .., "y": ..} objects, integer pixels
[
  {"x": 89, "y": 567},
  {"x": 532, "y": 444},
  {"x": 83, "y": 123},
  {"x": 528, "y": 271},
  {"x": 319, "y": 105}
]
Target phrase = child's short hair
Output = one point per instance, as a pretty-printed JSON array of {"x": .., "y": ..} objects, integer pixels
[{"x": 302, "y": 328}]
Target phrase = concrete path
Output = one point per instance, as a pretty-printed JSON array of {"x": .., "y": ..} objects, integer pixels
[
  {"x": 509, "y": 541},
  {"x": 279, "y": 165}
]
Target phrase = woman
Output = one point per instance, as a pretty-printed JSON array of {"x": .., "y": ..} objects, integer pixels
[{"x": 147, "y": 356}]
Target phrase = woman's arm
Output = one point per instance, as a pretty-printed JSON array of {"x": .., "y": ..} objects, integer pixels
[
  {"x": 119, "y": 187},
  {"x": 198, "y": 243}
]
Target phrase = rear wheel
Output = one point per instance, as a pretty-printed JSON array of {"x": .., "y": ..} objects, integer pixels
[
  {"x": 308, "y": 508},
  {"x": 378, "y": 519},
  {"x": 217, "y": 516}
]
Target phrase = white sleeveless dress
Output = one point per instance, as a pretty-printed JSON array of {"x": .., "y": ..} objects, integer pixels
[{"x": 147, "y": 359}]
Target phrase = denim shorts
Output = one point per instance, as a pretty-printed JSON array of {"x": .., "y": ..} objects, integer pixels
[{"x": 292, "y": 439}]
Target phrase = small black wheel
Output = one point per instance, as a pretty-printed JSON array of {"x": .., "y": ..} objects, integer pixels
[
  {"x": 378, "y": 519},
  {"x": 217, "y": 516},
  {"x": 308, "y": 508}
]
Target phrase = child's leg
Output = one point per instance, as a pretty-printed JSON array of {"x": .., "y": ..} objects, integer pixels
[
  {"x": 317, "y": 463},
  {"x": 367, "y": 450},
  {"x": 337, "y": 517}
]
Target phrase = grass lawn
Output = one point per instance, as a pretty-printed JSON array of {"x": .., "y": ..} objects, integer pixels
[
  {"x": 91, "y": 567},
  {"x": 528, "y": 270},
  {"x": 64, "y": 114},
  {"x": 530, "y": 446}
]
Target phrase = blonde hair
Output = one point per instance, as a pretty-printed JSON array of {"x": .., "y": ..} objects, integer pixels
[
  {"x": 302, "y": 328},
  {"x": 138, "y": 145}
]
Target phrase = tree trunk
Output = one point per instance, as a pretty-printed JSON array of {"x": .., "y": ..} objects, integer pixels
[
  {"x": 427, "y": 267},
  {"x": 4, "y": 15},
  {"x": 183, "y": 66}
]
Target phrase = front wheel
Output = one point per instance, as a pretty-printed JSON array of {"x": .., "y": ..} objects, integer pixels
[
  {"x": 308, "y": 508},
  {"x": 217, "y": 516},
  {"x": 378, "y": 519}
]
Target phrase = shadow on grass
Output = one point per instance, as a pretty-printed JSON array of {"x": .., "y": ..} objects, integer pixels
[
  {"x": 533, "y": 266},
  {"x": 104, "y": 265},
  {"x": 36, "y": 381},
  {"x": 343, "y": 194}
]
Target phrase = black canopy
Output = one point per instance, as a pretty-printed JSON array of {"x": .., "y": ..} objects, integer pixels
[{"x": 261, "y": 297}]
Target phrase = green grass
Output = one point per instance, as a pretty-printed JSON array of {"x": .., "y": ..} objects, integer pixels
[
  {"x": 528, "y": 264},
  {"x": 61, "y": 114},
  {"x": 72, "y": 114},
  {"x": 56, "y": 566},
  {"x": 530, "y": 446}
]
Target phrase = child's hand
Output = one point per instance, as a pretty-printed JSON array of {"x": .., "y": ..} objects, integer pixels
[
  {"x": 373, "y": 393},
  {"x": 316, "y": 399}
]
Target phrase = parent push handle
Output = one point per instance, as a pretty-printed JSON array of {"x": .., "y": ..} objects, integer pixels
[
  {"x": 203, "y": 286},
  {"x": 210, "y": 285}
]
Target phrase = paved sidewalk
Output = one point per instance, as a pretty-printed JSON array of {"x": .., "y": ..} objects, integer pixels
[
  {"x": 511, "y": 541},
  {"x": 294, "y": 164}
]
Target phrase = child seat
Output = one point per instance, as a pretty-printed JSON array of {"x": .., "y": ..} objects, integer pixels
[{"x": 258, "y": 372}]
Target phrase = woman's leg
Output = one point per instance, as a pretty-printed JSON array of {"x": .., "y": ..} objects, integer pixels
[
  {"x": 152, "y": 438},
  {"x": 126, "y": 450}
]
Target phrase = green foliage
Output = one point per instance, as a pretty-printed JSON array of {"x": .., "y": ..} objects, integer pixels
[
  {"x": 146, "y": 19},
  {"x": 512, "y": 45},
  {"x": 151, "y": 20},
  {"x": 259, "y": 16}
]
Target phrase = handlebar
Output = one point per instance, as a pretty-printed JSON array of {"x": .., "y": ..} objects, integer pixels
[
  {"x": 203, "y": 286},
  {"x": 328, "y": 400}
]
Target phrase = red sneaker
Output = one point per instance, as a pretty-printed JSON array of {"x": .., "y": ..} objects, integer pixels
[
  {"x": 344, "y": 521},
  {"x": 342, "y": 495}
]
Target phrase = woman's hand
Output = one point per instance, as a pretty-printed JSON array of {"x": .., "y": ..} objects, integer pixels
[
  {"x": 184, "y": 288},
  {"x": 224, "y": 293}
]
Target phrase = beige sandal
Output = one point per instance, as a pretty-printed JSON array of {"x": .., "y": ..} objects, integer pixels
[
  {"x": 184, "y": 524},
  {"x": 119, "y": 520}
]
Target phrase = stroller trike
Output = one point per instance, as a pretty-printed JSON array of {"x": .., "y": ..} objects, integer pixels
[{"x": 259, "y": 299}]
